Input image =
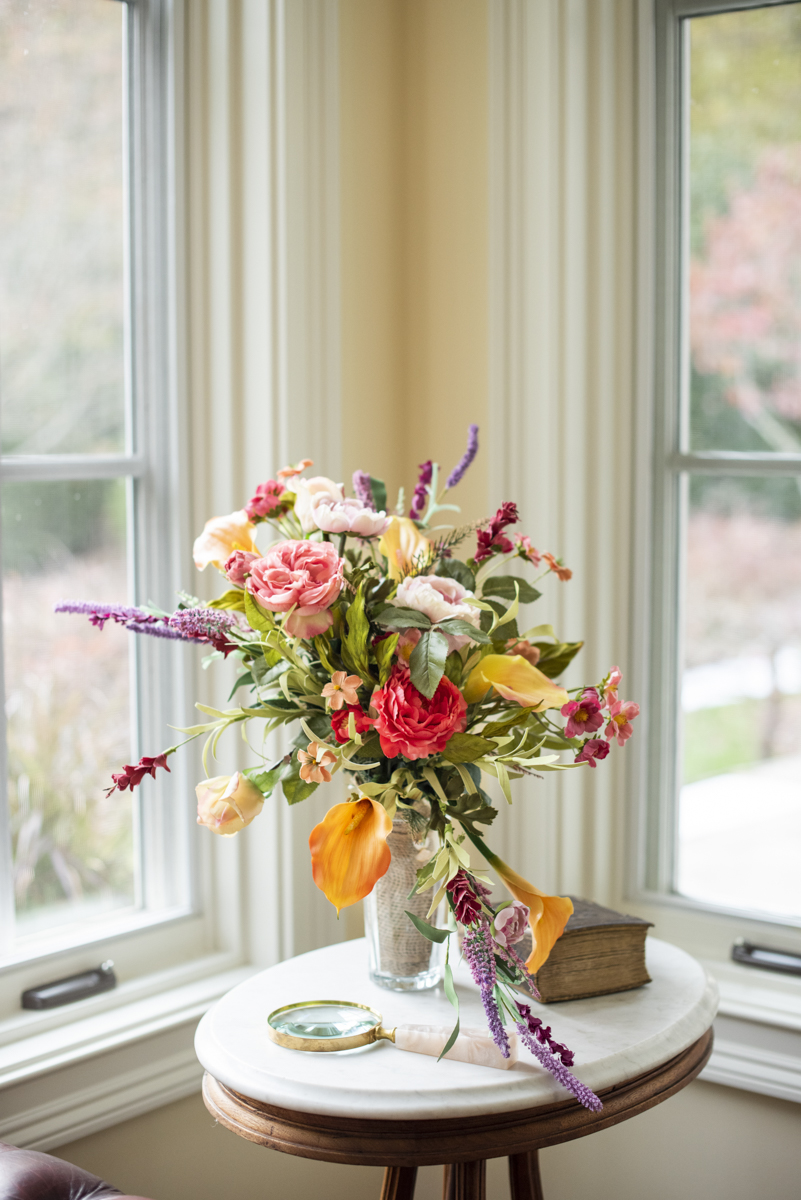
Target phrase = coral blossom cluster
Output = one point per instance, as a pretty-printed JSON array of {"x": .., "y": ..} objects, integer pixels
[{"x": 587, "y": 714}]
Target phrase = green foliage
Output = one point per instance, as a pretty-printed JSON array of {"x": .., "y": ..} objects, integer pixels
[
  {"x": 428, "y": 931},
  {"x": 384, "y": 651},
  {"x": 554, "y": 659},
  {"x": 256, "y": 616},
  {"x": 402, "y": 618},
  {"x": 427, "y": 662},
  {"x": 379, "y": 490},
  {"x": 504, "y": 586},
  {"x": 456, "y": 626},
  {"x": 266, "y": 781},
  {"x": 470, "y": 810},
  {"x": 467, "y": 747},
  {"x": 323, "y": 644},
  {"x": 355, "y": 638},
  {"x": 294, "y": 788},
  {"x": 452, "y": 568},
  {"x": 232, "y": 600}
]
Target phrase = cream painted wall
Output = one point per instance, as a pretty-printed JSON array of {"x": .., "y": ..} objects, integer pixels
[{"x": 414, "y": 369}]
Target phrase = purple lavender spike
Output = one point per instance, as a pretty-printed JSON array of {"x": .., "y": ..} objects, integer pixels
[
  {"x": 161, "y": 631},
  {"x": 420, "y": 493},
  {"x": 362, "y": 488},
  {"x": 559, "y": 1071},
  {"x": 98, "y": 614},
  {"x": 470, "y": 453},
  {"x": 478, "y": 954}
]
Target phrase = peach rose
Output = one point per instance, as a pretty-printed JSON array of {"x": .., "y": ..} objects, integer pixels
[
  {"x": 220, "y": 537},
  {"x": 227, "y": 803},
  {"x": 304, "y": 576}
]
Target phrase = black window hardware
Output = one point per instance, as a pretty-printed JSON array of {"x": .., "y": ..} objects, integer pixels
[
  {"x": 72, "y": 988},
  {"x": 766, "y": 957}
]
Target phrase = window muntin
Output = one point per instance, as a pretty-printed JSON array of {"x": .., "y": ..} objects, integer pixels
[{"x": 724, "y": 824}]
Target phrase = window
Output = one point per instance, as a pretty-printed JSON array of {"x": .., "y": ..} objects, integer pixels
[
  {"x": 87, "y": 472},
  {"x": 724, "y": 827}
]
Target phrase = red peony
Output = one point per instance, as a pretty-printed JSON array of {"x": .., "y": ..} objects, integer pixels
[
  {"x": 339, "y": 722},
  {"x": 411, "y": 725}
]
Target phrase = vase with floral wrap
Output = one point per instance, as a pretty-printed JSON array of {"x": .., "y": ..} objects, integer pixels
[{"x": 401, "y": 665}]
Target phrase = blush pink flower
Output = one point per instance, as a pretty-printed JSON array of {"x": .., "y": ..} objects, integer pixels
[
  {"x": 237, "y": 567},
  {"x": 267, "y": 501},
  {"x": 342, "y": 689},
  {"x": 308, "y": 491},
  {"x": 612, "y": 684},
  {"x": 315, "y": 761},
  {"x": 584, "y": 715},
  {"x": 439, "y": 599},
  {"x": 410, "y": 724},
  {"x": 595, "y": 748},
  {"x": 407, "y": 642},
  {"x": 511, "y": 923},
  {"x": 340, "y": 721},
  {"x": 526, "y": 550},
  {"x": 621, "y": 714},
  {"x": 347, "y": 516},
  {"x": 304, "y": 576}
]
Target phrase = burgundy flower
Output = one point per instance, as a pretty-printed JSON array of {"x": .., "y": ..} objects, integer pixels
[
  {"x": 420, "y": 494},
  {"x": 492, "y": 540},
  {"x": 131, "y": 777},
  {"x": 594, "y": 750},
  {"x": 584, "y": 715},
  {"x": 466, "y": 899}
]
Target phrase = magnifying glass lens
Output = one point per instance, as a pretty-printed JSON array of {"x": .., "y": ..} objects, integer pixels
[{"x": 322, "y": 1021}]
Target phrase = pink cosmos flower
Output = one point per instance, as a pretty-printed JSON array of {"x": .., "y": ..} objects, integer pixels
[
  {"x": 342, "y": 689},
  {"x": 511, "y": 923},
  {"x": 237, "y": 567},
  {"x": 612, "y": 684},
  {"x": 584, "y": 715},
  {"x": 621, "y": 714},
  {"x": 304, "y": 576},
  {"x": 595, "y": 748},
  {"x": 315, "y": 761},
  {"x": 347, "y": 516},
  {"x": 526, "y": 550},
  {"x": 412, "y": 725}
]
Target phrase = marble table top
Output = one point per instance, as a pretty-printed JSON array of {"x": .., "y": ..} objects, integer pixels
[{"x": 614, "y": 1038}]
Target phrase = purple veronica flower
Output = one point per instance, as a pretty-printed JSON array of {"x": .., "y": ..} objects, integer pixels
[
  {"x": 420, "y": 494},
  {"x": 478, "y": 953},
  {"x": 537, "y": 1037},
  {"x": 205, "y": 625},
  {"x": 362, "y": 488},
  {"x": 98, "y": 614},
  {"x": 470, "y": 453}
]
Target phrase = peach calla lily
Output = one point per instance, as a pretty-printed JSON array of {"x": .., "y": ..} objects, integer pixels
[
  {"x": 515, "y": 679},
  {"x": 402, "y": 544},
  {"x": 349, "y": 850},
  {"x": 548, "y": 915},
  {"x": 220, "y": 537}
]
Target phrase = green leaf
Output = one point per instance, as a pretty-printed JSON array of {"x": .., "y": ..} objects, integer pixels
[
  {"x": 234, "y": 599},
  {"x": 467, "y": 747},
  {"x": 256, "y": 616},
  {"x": 451, "y": 568},
  {"x": 402, "y": 618},
  {"x": 428, "y": 931},
  {"x": 450, "y": 992},
  {"x": 427, "y": 663},
  {"x": 370, "y": 749},
  {"x": 295, "y": 789},
  {"x": 555, "y": 659},
  {"x": 322, "y": 644},
  {"x": 384, "y": 651},
  {"x": 356, "y": 636},
  {"x": 379, "y": 490},
  {"x": 504, "y": 586},
  {"x": 471, "y": 809},
  {"x": 456, "y": 626},
  {"x": 265, "y": 781},
  {"x": 241, "y": 681}
]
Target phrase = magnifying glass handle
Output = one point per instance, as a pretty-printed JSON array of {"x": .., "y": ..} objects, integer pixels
[{"x": 472, "y": 1045}]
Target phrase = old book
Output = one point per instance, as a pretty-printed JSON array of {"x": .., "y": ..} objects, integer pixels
[{"x": 600, "y": 951}]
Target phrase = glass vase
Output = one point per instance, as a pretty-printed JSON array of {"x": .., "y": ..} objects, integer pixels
[{"x": 400, "y": 958}]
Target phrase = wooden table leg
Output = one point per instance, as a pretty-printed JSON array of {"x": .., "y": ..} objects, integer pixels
[
  {"x": 399, "y": 1183},
  {"x": 524, "y": 1176},
  {"x": 466, "y": 1181}
]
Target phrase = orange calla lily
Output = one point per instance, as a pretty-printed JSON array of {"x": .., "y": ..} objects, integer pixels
[
  {"x": 548, "y": 915},
  {"x": 402, "y": 544},
  {"x": 515, "y": 679},
  {"x": 349, "y": 850}
]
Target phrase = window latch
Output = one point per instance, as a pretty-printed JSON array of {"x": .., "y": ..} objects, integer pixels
[
  {"x": 72, "y": 988},
  {"x": 766, "y": 958}
]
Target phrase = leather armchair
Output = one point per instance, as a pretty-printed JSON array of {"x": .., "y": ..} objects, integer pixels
[{"x": 30, "y": 1175}]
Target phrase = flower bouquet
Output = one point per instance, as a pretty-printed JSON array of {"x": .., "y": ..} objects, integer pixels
[{"x": 403, "y": 666}]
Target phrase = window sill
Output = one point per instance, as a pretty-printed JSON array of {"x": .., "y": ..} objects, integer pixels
[
  {"x": 757, "y": 1032},
  {"x": 113, "y": 1061}
]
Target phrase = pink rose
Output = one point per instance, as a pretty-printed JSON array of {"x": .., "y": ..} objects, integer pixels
[
  {"x": 237, "y": 567},
  {"x": 411, "y": 725},
  {"x": 347, "y": 516},
  {"x": 439, "y": 599},
  {"x": 511, "y": 923},
  {"x": 306, "y": 576}
]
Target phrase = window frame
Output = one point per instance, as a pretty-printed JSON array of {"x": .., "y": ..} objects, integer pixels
[
  {"x": 666, "y": 458},
  {"x": 167, "y": 927}
]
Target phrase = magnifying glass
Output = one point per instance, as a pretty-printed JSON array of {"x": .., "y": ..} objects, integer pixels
[{"x": 323, "y": 1026}]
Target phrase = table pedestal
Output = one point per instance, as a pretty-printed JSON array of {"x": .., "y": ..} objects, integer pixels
[{"x": 462, "y": 1143}]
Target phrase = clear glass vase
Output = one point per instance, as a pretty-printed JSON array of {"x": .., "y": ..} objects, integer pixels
[{"x": 401, "y": 959}]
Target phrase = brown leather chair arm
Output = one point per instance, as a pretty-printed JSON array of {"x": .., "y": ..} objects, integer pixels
[{"x": 30, "y": 1175}]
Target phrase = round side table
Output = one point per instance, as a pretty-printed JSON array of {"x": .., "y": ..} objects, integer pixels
[{"x": 379, "y": 1106}]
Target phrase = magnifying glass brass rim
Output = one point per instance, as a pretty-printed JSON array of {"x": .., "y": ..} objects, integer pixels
[{"x": 326, "y": 1045}]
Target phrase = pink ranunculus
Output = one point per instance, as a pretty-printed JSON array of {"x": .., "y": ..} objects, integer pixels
[
  {"x": 410, "y": 724},
  {"x": 511, "y": 923},
  {"x": 439, "y": 599},
  {"x": 267, "y": 501},
  {"x": 621, "y": 714},
  {"x": 237, "y": 567},
  {"x": 584, "y": 715},
  {"x": 347, "y": 516},
  {"x": 595, "y": 748},
  {"x": 306, "y": 576},
  {"x": 309, "y": 490}
]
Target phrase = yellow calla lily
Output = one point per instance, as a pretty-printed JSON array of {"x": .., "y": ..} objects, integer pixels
[
  {"x": 349, "y": 850},
  {"x": 515, "y": 679},
  {"x": 548, "y": 915},
  {"x": 403, "y": 545}
]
